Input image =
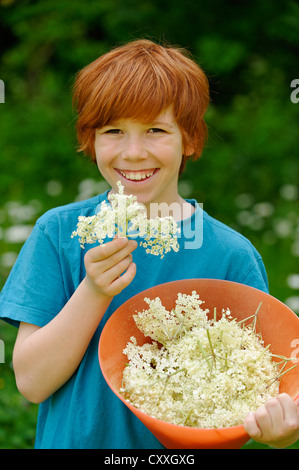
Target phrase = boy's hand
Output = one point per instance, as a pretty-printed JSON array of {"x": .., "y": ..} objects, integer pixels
[
  {"x": 276, "y": 423},
  {"x": 109, "y": 267}
]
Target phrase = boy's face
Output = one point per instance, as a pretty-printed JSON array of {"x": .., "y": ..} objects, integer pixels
[{"x": 146, "y": 158}]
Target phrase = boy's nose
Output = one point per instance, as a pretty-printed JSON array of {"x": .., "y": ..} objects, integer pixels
[{"x": 134, "y": 149}]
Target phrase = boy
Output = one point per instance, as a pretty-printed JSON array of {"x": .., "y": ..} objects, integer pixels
[{"x": 140, "y": 117}]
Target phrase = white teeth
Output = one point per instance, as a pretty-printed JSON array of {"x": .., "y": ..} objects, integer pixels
[{"x": 136, "y": 176}]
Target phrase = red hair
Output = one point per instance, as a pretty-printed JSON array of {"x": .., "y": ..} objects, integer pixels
[{"x": 139, "y": 80}]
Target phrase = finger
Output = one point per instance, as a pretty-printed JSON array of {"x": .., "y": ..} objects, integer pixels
[
  {"x": 276, "y": 414},
  {"x": 118, "y": 256},
  {"x": 102, "y": 252},
  {"x": 109, "y": 249},
  {"x": 251, "y": 426},
  {"x": 290, "y": 411},
  {"x": 123, "y": 281},
  {"x": 117, "y": 269},
  {"x": 264, "y": 421},
  {"x": 287, "y": 402}
]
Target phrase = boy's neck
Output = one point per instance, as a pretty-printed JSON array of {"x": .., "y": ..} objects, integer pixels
[{"x": 179, "y": 209}]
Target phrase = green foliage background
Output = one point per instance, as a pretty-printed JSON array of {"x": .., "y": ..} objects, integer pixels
[{"x": 248, "y": 175}]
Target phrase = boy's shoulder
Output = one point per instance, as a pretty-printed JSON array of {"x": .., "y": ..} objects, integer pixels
[
  {"x": 226, "y": 236},
  {"x": 72, "y": 211}
]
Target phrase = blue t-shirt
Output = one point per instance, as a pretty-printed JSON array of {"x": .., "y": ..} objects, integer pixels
[{"x": 84, "y": 412}]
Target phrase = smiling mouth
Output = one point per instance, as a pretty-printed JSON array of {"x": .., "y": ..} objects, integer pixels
[{"x": 137, "y": 175}]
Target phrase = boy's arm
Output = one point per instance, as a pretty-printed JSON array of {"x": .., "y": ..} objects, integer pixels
[{"x": 45, "y": 358}]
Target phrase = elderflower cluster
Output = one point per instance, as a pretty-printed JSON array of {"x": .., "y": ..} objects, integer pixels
[
  {"x": 162, "y": 325},
  {"x": 197, "y": 372},
  {"x": 126, "y": 217}
]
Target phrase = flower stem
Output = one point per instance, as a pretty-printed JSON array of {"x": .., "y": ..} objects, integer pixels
[
  {"x": 203, "y": 353},
  {"x": 211, "y": 345}
]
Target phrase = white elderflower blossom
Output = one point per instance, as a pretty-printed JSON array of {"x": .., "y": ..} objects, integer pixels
[
  {"x": 198, "y": 372},
  {"x": 126, "y": 217},
  {"x": 162, "y": 325}
]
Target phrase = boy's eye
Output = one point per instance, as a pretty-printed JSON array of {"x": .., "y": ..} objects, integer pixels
[
  {"x": 155, "y": 129},
  {"x": 113, "y": 131}
]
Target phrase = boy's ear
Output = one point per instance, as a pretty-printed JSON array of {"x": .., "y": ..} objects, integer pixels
[{"x": 188, "y": 150}]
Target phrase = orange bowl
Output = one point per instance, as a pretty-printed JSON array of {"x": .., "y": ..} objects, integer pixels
[{"x": 279, "y": 327}]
